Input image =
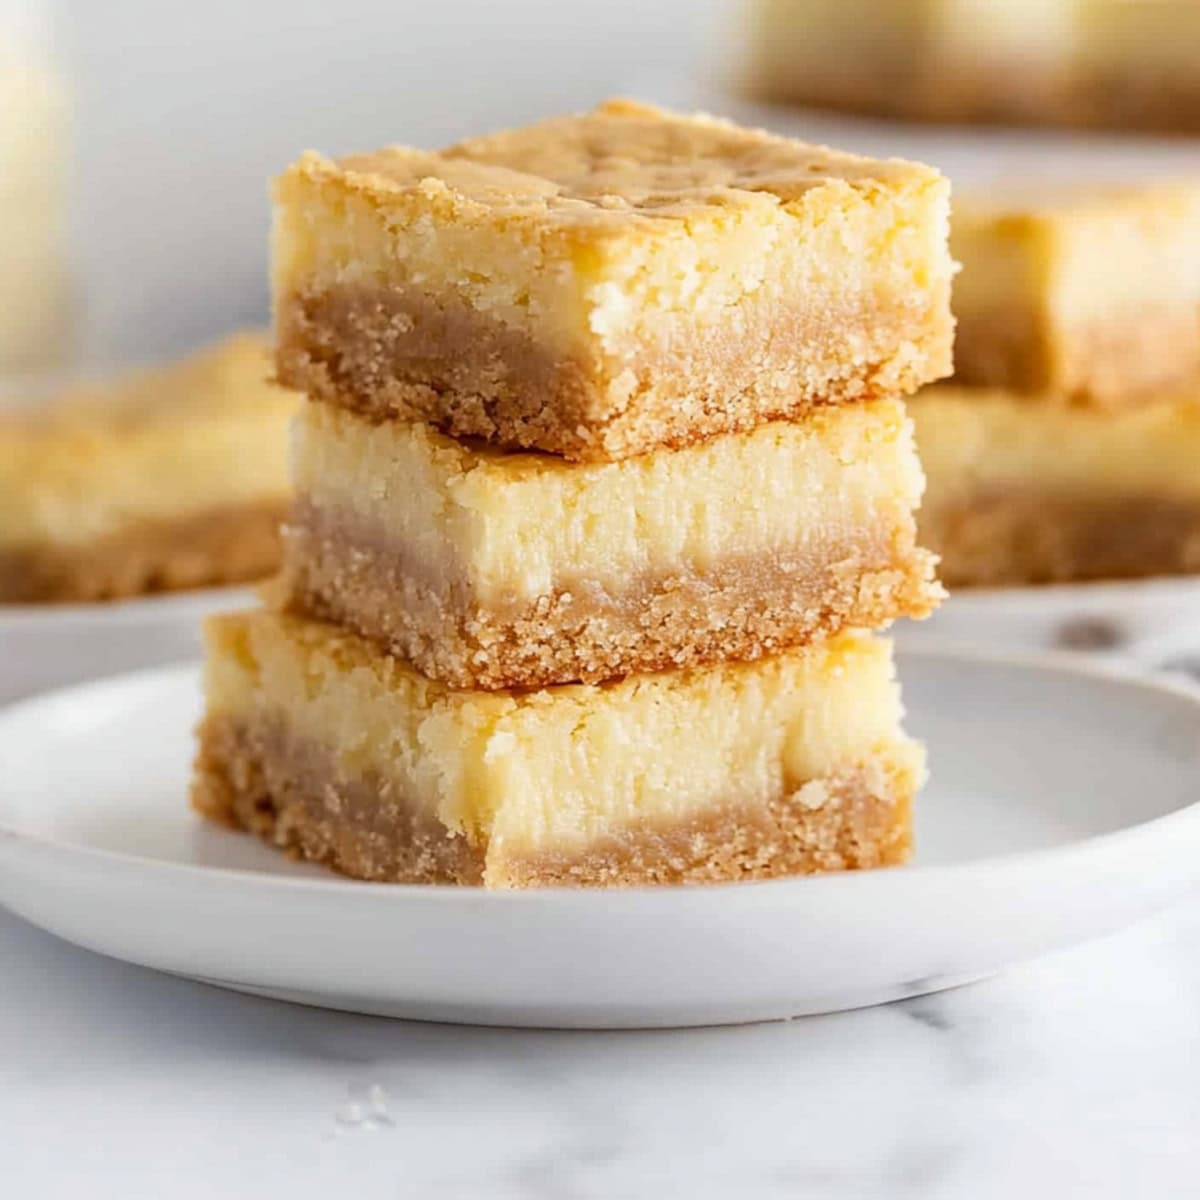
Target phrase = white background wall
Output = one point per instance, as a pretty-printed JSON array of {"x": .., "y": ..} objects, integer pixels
[{"x": 185, "y": 107}]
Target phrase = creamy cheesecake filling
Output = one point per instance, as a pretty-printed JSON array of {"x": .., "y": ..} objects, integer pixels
[
  {"x": 514, "y": 527},
  {"x": 537, "y": 781},
  {"x": 228, "y": 544}
]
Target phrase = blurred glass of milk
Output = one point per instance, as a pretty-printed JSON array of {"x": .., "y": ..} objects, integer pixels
[{"x": 36, "y": 317}]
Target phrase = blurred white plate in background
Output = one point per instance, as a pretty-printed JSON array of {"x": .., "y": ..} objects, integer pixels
[
  {"x": 47, "y": 645},
  {"x": 1062, "y": 805},
  {"x": 1149, "y": 620}
]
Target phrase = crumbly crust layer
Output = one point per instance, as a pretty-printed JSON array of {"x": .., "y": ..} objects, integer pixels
[
  {"x": 252, "y": 777},
  {"x": 1020, "y": 536},
  {"x": 1110, "y": 363},
  {"x": 220, "y": 545},
  {"x": 1150, "y": 102},
  {"x": 739, "y": 610},
  {"x": 390, "y": 353}
]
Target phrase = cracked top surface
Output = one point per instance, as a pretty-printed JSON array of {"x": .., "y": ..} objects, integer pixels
[{"x": 622, "y": 157}]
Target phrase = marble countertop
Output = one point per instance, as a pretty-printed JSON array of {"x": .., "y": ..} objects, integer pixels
[{"x": 1071, "y": 1076}]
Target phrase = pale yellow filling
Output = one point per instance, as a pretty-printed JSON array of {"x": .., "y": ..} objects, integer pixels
[
  {"x": 516, "y": 526},
  {"x": 973, "y": 440},
  {"x": 564, "y": 765},
  {"x": 207, "y": 433},
  {"x": 1076, "y": 255}
]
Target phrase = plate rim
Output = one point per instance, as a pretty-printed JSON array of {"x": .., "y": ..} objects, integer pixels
[
  {"x": 1115, "y": 590},
  {"x": 185, "y": 603},
  {"x": 1059, "y": 857}
]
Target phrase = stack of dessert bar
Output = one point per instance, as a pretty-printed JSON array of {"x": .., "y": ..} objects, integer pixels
[
  {"x": 1066, "y": 447},
  {"x": 602, "y": 471}
]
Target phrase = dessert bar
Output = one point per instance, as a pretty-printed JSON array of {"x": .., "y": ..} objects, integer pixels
[
  {"x": 493, "y": 569},
  {"x": 325, "y": 746},
  {"x": 949, "y": 60},
  {"x": 600, "y": 286},
  {"x": 1088, "y": 292},
  {"x": 1035, "y": 490},
  {"x": 173, "y": 478}
]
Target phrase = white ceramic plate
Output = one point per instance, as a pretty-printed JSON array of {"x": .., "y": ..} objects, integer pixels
[
  {"x": 1061, "y": 806},
  {"x": 47, "y": 645},
  {"x": 1149, "y": 620}
]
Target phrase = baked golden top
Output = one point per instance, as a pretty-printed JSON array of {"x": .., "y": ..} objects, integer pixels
[{"x": 624, "y": 159}]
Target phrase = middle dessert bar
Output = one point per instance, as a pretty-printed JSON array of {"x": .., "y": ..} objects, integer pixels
[{"x": 491, "y": 570}]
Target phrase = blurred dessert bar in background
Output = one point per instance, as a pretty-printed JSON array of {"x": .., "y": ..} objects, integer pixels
[
  {"x": 1108, "y": 64},
  {"x": 603, "y": 468},
  {"x": 169, "y": 478},
  {"x": 1067, "y": 446},
  {"x": 1034, "y": 489},
  {"x": 318, "y": 741},
  {"x": 36, "y": 302},
  {"x": 605, "y": 285},
  {"x": 1091, "y": 293},
  {"x": 1136, "y": 65},
  {"x": 949, "y": 60}
]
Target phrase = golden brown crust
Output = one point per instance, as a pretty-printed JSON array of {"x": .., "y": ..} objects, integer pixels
[
  {"x": 738, "y": 610},
  {"x": 1019, "y": 537},
  {"x": 1152, "y": 102},
  {"x": 222, "y": 545},
  {"x": 390, "y": 353},
  {"x": 252, "y": 777}
]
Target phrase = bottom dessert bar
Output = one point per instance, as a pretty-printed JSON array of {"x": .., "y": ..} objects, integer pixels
[
  {"x": 1033, "y": 490},
  {"x": 329, "y": 748}
]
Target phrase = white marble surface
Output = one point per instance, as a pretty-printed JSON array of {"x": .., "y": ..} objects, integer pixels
[{"x": 1073, "y": 1076}]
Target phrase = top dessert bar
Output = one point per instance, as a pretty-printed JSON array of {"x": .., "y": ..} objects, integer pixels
[
  {"x": 1092, "y": 293},
  {"x": 600, "y": 286}
]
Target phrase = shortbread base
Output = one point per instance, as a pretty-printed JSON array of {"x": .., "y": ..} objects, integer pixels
[
  {"x": 1021, "y": 538},
  {"x": 224, "y": 545}
]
